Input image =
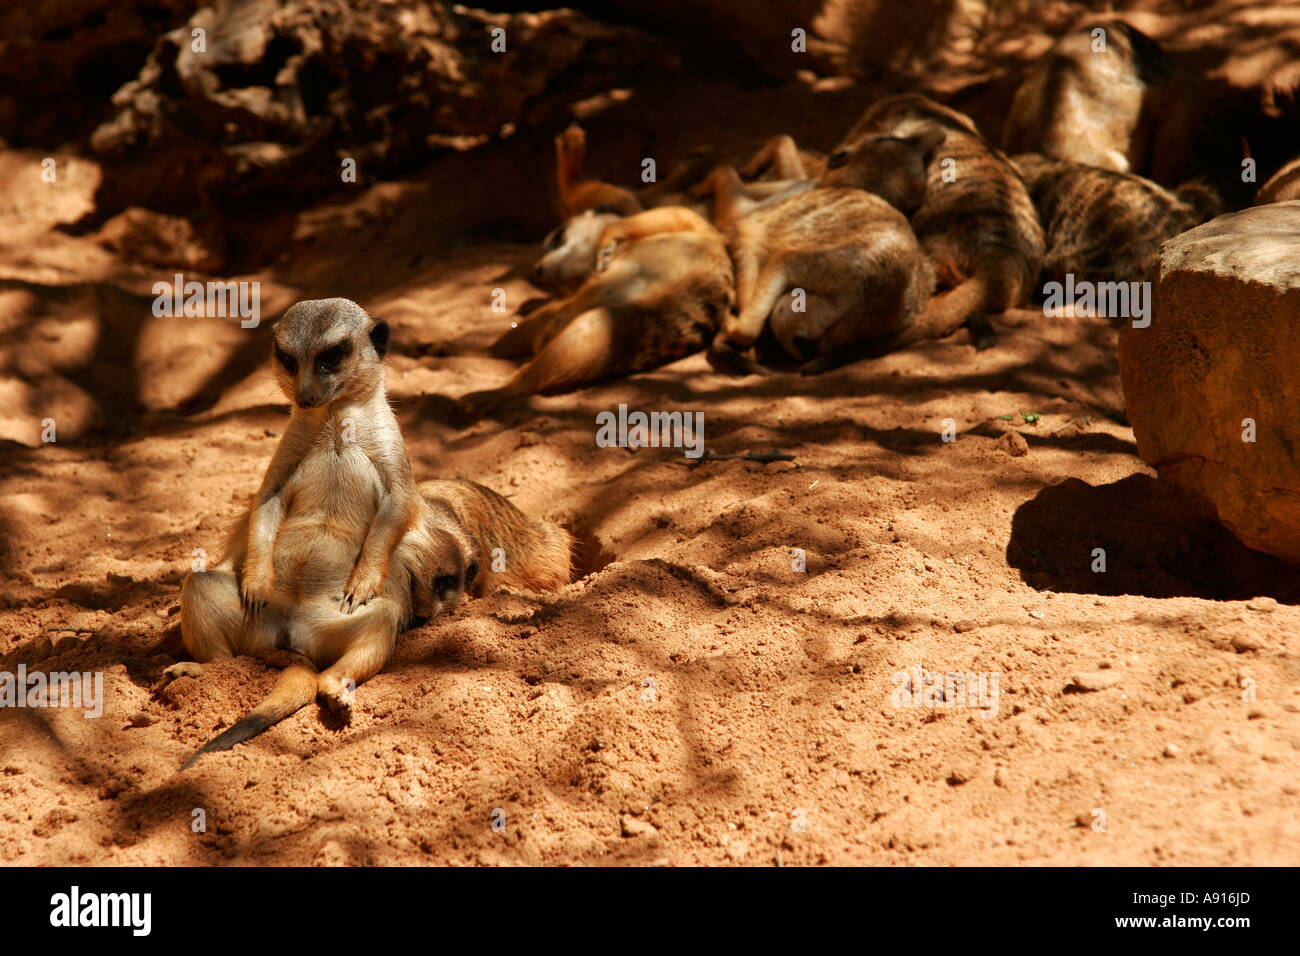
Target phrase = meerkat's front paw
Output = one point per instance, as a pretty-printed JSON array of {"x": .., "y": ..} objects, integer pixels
[
  {"x": 726, "y": 358},
  {"x": 365, "y": 583},
  {"x": 339, "y": 695},
  {"x": 183, "y": 669},
  {"x": 255, "y": 587}
]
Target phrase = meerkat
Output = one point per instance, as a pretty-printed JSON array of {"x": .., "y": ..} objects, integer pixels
[
  {"x": 1107, "y": 225},
  {"x": 1087, "y": 101},
  {"x": 834, "y": 272},
  {"x": 480, "y": 541},
  {"x": 663, "y": 281},
  {"x": 320, "y": 566},
  {"x": 976, "y": 221}
]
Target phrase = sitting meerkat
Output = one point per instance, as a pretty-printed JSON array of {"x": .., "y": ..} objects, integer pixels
[
  {"x": 480, "y": 541},
  {"x": 836, "y": 273},
  {"x": 1086, "y": 100},
  {"x": 320, "y": 566},
  {"x": 662, "y": 283},
  {"x": 1104, "y": 225},
  {"x": 976, "y": 221}
]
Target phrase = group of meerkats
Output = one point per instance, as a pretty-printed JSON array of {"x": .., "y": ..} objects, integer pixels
[{"x": 913, "y": 226}]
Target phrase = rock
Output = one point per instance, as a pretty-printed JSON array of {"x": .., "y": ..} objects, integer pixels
[
  {"x": 1241, "y": 643},
  {"x": 1172, "y": 750},
  {"x": 1282, "y": 186},
  {"x": 632, "y": 827},
  {"x": 1014, "y": 444},
  {"x": 1217, "y": 366},
  {"x": 1264, "y": 605},
  {"x": 1094, "y": 680}
]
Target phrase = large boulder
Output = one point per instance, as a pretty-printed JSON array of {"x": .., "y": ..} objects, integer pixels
[{"x": 1213, "y": 384}]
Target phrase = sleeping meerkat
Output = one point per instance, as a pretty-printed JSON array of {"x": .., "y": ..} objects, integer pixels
[
  {"x": 479, "y": 541},
  {"x": 835, "y": 273},
  {"x": 976, "y": 222},
  {"x": 320, "y": 566},
  {"x": 1104, "y": 225},
  {"x": 1086, "y": 100},
  {"x": 662, "y": 283}
]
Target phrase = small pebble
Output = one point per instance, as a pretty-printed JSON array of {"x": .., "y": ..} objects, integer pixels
[{"x": 1094, "y": 680}]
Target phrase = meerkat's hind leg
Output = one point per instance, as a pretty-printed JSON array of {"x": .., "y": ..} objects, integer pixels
[
  {"x": 214, "y": 622},
  {"x": 781, "y": 153},
  {"x": 367, "y": 638},
  {"x": 520, "y": 340}
]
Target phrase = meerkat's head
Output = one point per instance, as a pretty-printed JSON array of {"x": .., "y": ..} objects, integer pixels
[
  {"x": 447, "y": 569},
  {"x": 569, "y": 253},
  {"x": 892, "y": 167},
  {"x": 327, "y": 349}
]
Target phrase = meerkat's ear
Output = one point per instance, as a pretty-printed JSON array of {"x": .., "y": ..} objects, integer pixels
[
  {"x": 379, "y": 337},
  {"x": 928, "y": 140},
  {"x": 471, "y": 574}
]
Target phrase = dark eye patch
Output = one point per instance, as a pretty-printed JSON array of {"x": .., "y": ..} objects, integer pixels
[
  {"x": 444, "y": 585},
  {"x": 556, "y": 239},
  {"x": 837, "y": 159},
  {"x": 288, "y": 361},
  {"x": 329, "y": 359}
]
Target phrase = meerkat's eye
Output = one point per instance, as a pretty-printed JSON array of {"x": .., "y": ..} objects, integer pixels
[
  {"x": 444, "y": 585},
  {"x": 837, "y": 159},
  {"x": 328, "y": 361},
  {"x": 288, "y": 361},
  {"x": 555, "y": 239}
]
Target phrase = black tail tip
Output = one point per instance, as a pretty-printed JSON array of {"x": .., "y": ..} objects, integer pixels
[{"x": 241, "y": 730}]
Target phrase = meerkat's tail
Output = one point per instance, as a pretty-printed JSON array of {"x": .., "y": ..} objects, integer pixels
[{"x": 294, "y": 689}]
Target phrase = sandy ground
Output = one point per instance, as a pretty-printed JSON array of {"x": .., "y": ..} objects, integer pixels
[{"x": 692, "y": 697}]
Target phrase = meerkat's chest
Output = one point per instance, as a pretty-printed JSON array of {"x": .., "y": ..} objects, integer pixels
[{"x": 336, "y": 479}]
